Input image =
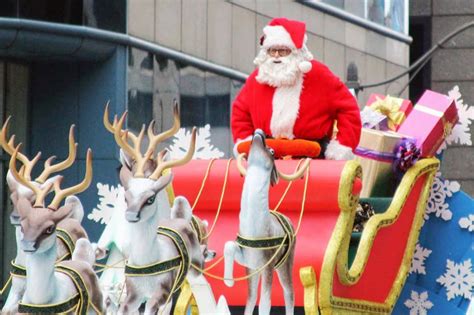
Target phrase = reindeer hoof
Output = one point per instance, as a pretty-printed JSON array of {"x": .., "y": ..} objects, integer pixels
[{"x": 229, "y": 283}]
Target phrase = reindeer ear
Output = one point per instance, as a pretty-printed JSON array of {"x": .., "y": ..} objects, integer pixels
[
  {"x": 62, "y": 213},
  {"x": 125, "y": 159},
  {"x": 162, "y": 182},
  {"x": 181, "y": 209},
  {"x": 50, "y": 181},
  {"x": 125, "y": 176},
  {"x": 23, "y": 206},
  {"x": 274, "y": 176},
  {"x": 77, "y": 212},
  {"x": 12, "y": 182}
]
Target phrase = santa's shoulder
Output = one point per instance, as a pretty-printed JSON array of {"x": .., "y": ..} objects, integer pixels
[{"x": 319, "y": 71}]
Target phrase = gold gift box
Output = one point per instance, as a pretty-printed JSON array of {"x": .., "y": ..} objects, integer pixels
[{"x": 375, "y": 154}]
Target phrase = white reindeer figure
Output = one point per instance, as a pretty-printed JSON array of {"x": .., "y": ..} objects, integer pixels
[
  {"x": 70, "y": 234},
  {"x": 52, "y": 287},
  {"x": 261, "y": 232},
  {"x": 147, "y": 204}
]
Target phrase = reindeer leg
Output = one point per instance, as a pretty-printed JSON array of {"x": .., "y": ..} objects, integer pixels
[
  {"x": 232, "y": 252},
  {"x": 265, "y": 304},
  {"x": 157, "y": 302},
  {"x": 286, "y": 280},
  {"x": 132, "y": 300},
  {"x": 252, "y": 284}
]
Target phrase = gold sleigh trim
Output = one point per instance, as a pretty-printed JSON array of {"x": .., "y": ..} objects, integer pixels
[{"x": 336, "y": 256}]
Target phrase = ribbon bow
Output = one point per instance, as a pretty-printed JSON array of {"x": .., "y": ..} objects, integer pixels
[{"x": 389, "y": 107}]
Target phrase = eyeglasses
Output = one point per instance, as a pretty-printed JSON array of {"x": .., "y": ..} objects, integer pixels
[{"x": 282, "y": 52}]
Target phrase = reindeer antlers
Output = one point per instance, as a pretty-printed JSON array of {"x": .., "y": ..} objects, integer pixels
[
  {"x": 134, "y": 150},
  {"x": 9, "y": 147},
  {"x": 60, "y": 194},
  {"x": 49, "y": 169}
]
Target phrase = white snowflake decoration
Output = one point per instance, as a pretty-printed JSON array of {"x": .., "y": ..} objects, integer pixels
[
  {"x": 461, "y": 132},
  {"x": 110, "y": 199},
  {"x": 419, "y": 303},
  {"x": 204, "y": 149},
  {"x": 467, "y": 223},
  {"x": 458, "y": 279},
  {"x": 418, "y": 261},
  {"x": 437, "y": 203}
]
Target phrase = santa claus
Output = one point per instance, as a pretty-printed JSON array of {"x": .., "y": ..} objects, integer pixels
[{"x": 292, "y": 96}]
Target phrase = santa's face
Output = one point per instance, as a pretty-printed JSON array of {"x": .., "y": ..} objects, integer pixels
[{"x": 278, "y": 66}]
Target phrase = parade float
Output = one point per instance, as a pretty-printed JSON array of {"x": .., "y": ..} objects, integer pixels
[
  {"x": 410, "y": 254},
  {"x": 381, "y": 233}
]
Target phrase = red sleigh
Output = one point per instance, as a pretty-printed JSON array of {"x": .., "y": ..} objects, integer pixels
[{"x": 322, "y": 280}]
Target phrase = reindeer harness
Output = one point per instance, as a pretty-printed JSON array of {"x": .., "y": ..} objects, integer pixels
[
  {"x": 64, "y": 236},
  {"x": 265, "y": 243},
  {"x": 79, "y": 302},
  {"x": 17, "y": 270},
  {"x": 67, "y": 239},
  {"x": 182, "y": 260}
]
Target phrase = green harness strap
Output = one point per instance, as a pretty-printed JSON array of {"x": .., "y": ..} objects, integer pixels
[
  {"x": 183, "y": 252},
  {"x": 152, "y": 269},
  {"x": 163, "y": 266},
  {"x": 272, "y": 242},
  {"x": 197, "y": 230},
  {"x": 64, "y": 236},
  {"x": 79, "y": 302},
  {"x": 17, "y": 270}
]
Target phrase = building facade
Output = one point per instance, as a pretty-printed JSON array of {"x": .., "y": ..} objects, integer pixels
[
  {"x": 452, "y": 65},
  {"x": 60, "y": 62}
]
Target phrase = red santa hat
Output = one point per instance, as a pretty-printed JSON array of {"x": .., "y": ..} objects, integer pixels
[{"x": 289, "y": 33}]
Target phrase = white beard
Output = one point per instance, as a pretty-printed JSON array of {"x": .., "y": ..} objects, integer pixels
[
  {"x": 287, "y": 79},
  {"x": 274, "y": 74}
]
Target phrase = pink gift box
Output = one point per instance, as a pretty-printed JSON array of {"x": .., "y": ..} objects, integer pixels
[{"x": 431, "y": 121}]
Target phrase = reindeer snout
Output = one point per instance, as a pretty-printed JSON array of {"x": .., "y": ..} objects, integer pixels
[
  {"x": 28, "y": 246},
  {"x": 15, "y": 218},
  {"x": 132, "y": 216}
]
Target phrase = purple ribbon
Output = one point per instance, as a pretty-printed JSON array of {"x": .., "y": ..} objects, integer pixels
[
  {"x": 404, "y": 155},
  {"x": 375, "y": 155}
]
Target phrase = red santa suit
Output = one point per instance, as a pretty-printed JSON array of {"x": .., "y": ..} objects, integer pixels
[{"x": 304, "y": 110}]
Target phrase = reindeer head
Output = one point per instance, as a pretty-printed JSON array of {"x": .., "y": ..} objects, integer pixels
[
  {"x": 38, "y": 222},
  {"x": 142, "y": 174},
  {"x": 42, "y": 181},
  {"x": 262, "y": 163}
]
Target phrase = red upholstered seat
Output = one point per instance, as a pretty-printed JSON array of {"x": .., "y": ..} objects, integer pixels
[{"x": 320, "y": 215}]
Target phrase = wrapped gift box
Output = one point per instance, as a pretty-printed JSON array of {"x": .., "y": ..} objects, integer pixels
[
  {"x": 375, "y": 154},
  {"x": 395, "y": 109},
  {"x": 431, "y": 121}
]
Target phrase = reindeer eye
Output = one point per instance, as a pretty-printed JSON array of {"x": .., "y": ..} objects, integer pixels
[
  {"x": 150, "y": 200},
  {"x": 271, "y": 151},
  {"x": 50, "y": 230}
]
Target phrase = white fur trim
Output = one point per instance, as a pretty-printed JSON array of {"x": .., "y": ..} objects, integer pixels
[
  {"x": 239, "y": 141},
  {"x": 286, "y": 105},
  {"x": 276, "y": 36},
  {"x": 337, "y": 151},
  {"x": 305, "y": 66}
]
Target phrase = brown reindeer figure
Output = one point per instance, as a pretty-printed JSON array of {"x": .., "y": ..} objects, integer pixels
[
  {"x": 262, "y": 232},
  {"x": 50, "y": 287},
  {"x": 69, "y": 232},
  {"x": 157, "y": 263}
]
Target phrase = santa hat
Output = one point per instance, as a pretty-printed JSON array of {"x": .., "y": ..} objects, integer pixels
[{"x": 290, "y": 33}]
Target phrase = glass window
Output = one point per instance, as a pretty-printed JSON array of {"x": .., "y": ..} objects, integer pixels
[
  {"x": 105, "y": 14},
  {"x": 390, "y": 13},
  {"x": 8, "y": 8},
  {"x": 59, "y": 11},
  {"x": 204, "y": 98}
]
